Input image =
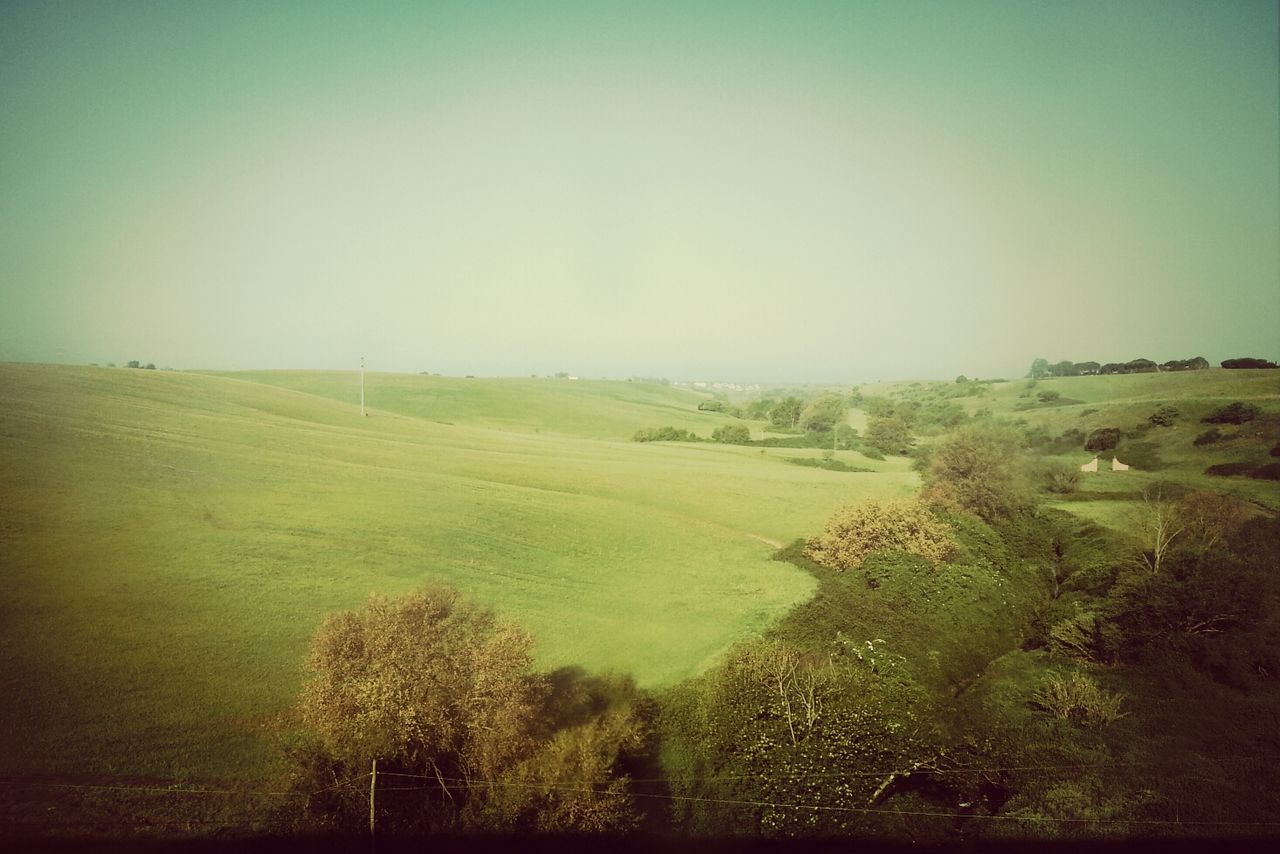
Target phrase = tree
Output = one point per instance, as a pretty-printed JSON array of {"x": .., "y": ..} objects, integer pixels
[
  {"x": 1103, "y": 439},
  {"x": 980, "y": 469},
  {"x": 823, "y": 414},
  {"x": 133, "y": 363},
  {"x": 786, "y": 414},
  {"x": 1247, "y": 362},
  {"x": 889, "y": 434},
  {"x": 439, "y": 691},
  {"x": 1039, "y": 368},
  {"x": 1209, "y": 516},
  {"x": 856, "y": 531},
  {"x": 427, "y": 684},
  {"x": 1160, "y": 525}
]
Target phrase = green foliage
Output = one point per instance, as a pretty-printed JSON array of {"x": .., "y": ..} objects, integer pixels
[
  {"x": 823, "y": 414},
  {"x": 1058, "y": 478},
  {"x": 1103, "y": 439},
  {"x": 1039, "y": 368},
  {"x": 1048, "y": 396},
  {"x": 981, "y": 470},
  {"x": 786, "y": 413},
  {"x": 828, "y": 464},
  {"x": 732, "y": 434},
  {"x": 889, "y": 434},
  {"x": 856, "y": 531},
  {"x": 1216, "y": 608},
  {"x": 1077, "y": 698},
  {"x": 1233, "y": 413},
  {"x": 770, "y": 723},
  {"x": 1163, "y": 416},
  {"x": 665, "y": 434}
]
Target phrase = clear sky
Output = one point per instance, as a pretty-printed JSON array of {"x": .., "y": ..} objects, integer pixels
[{"x": 791, "y": 191}]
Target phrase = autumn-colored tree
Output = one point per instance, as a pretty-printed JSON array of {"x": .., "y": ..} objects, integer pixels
[
  {"x": 860, "y": 529},
  {"x": 440, "y": 693}
]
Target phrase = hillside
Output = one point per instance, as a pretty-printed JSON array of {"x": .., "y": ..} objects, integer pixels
[
  {"x": 596, "y": 409},
  {"x": 170, "y": 542}
]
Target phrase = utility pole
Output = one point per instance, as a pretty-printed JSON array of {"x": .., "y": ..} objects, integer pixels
[{"x": 362, "y": 412}]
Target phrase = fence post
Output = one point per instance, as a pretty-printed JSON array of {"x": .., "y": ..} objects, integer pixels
[{"x": 373, "y": 783}]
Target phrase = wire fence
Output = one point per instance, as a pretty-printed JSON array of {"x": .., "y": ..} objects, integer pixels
[{"x": 219, "y": 812}]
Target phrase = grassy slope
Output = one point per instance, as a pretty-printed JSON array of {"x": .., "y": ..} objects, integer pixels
[
  {"x": 170, "y": 542},
  {"x": 597, "y": 409},
  {"x": 1125, "y": 401}
]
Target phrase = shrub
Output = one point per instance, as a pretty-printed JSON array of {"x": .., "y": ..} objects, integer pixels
[
  {"x": 1164, "y": 416},
  {"x": 1228, "y": 469},
  {"x": 1233, "y": 413},
  {"x": 1059, "y": 478},
  {"x": 1247, "y": 362},
  {"x": 1270, "y": 471},
  {"x": 664, "y": 434},
  {"x": 732, "y": 434},
  {"x": 1077, "y": 698},
  {"x": 1103, "y": 439},
  {"x": 980, "y": 470},
  {"x": 1208, "y": 437},
  {"x": 856, "y": 531},
  {"x": 1048, "y": 396},
  {"x": 1208, "y": 516}
]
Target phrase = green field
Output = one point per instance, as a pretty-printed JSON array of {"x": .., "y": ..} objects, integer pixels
[{"x": 170, "y": 542}]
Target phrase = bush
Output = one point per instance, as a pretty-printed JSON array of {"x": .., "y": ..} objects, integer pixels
[
  {"x": 1270, "y": 471},
  {"x": 1164, "y": 416},
  {"x": 856, "y": 531},
  {"x": 664, "y": 434},
  {"x": 732, "y": 434},
  {"x": 1208, "y": 437},
  {"x": 1247, "y": 362},
  {"x": 1233, "y": 413},
  {"x": 1059, "y": 478},
  {"x": 1103, "y": 439},
  {"x": 1077, "y": 698},
  {"x": 1048, "y": 396},
  {"x": 1228, "y": 469},
  {"x": 980, "y": 470},
  {"x": 435, "y": 688}
]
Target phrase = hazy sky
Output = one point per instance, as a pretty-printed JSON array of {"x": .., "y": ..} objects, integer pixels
[{"x": 786, "y": 191}]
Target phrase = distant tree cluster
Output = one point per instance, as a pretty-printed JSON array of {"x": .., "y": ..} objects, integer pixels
[
  {"x": 1247, "y": 362},
  {"x": 134, "y": 363},
  {"x": 1043, "y": 368},
  {"x": 665, "y": 434}
]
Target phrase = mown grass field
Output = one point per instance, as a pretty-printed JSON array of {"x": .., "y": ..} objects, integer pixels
[{"x": 170, "y": 542}]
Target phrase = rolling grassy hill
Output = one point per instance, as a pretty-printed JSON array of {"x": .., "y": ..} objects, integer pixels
[
  {"x": 1159, "y": 455},
  {"x": 170, "y": 542},
  {"x": 596, "y": 409}
]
